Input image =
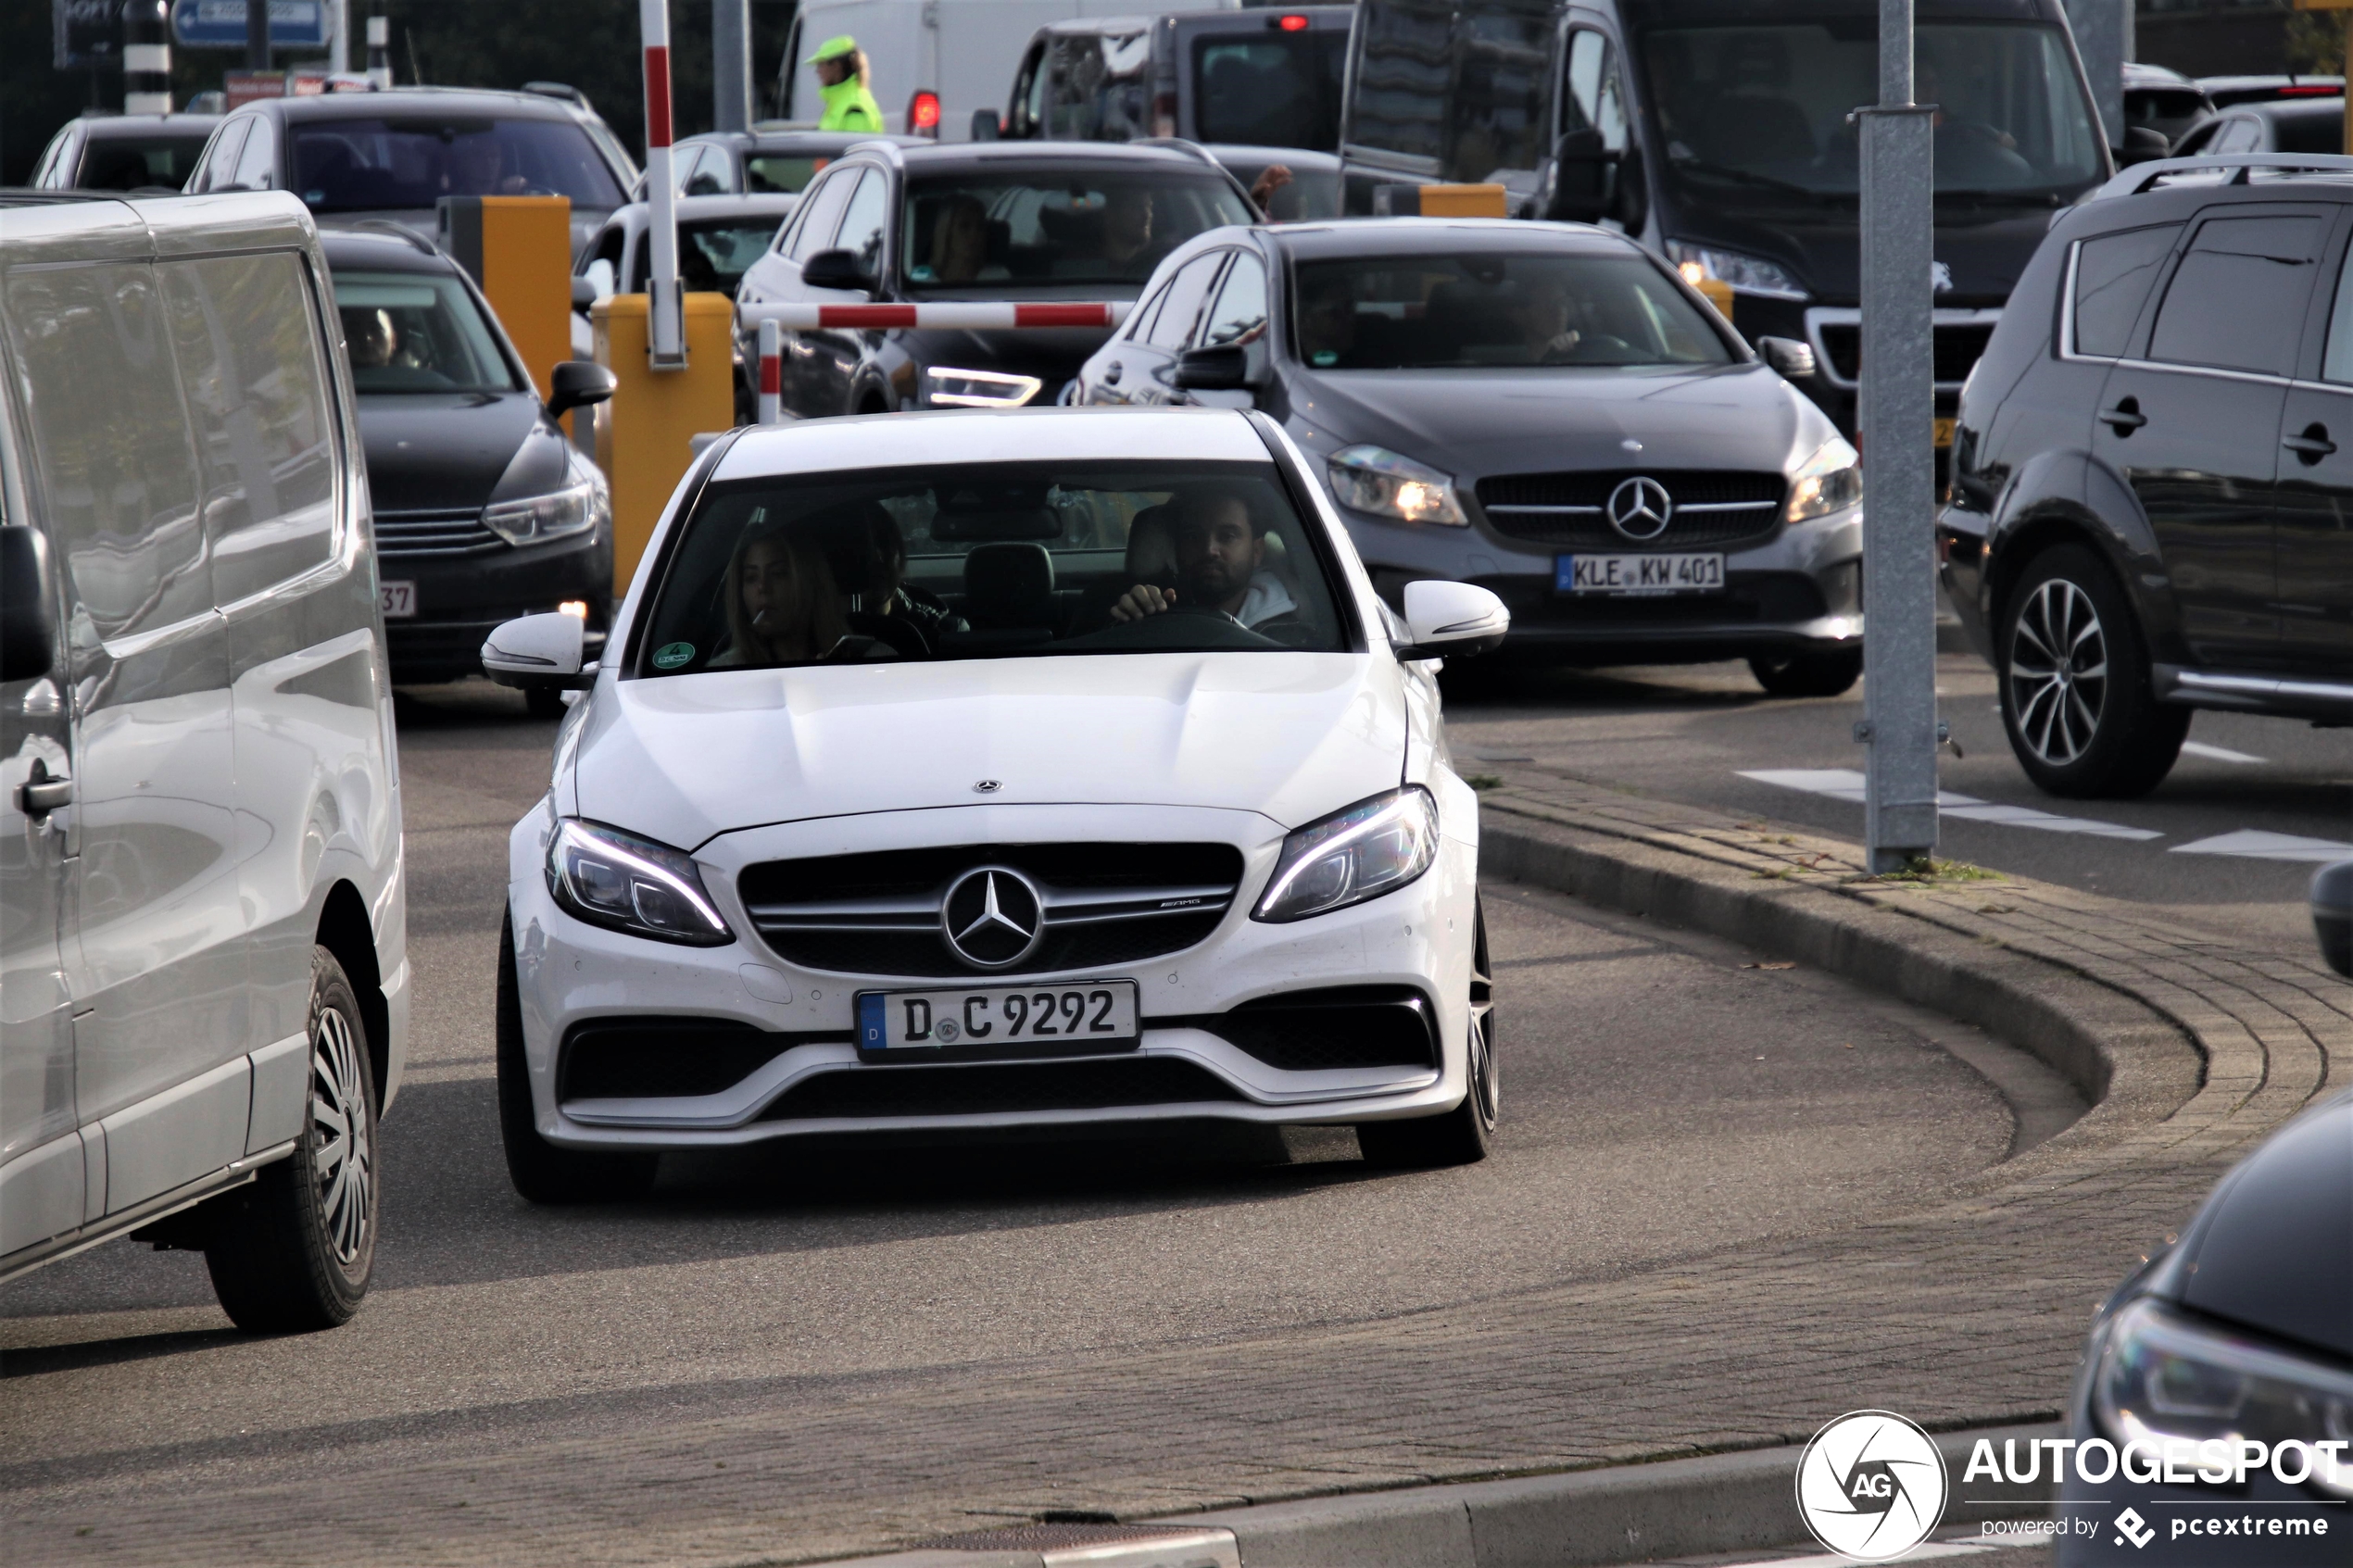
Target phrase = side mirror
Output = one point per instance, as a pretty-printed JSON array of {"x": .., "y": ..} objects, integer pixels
[
  {"x": 28, "y": 629},
  {"x": 1792, "y": 359},
  {"x": 986, "y": 127},
  {"x": 583, "y": 293},
  {"x": 835, "y": 270},
  {"x": 1223, "y": 369},
  {"x": 577, "y": 383},
  {"x": 2333, "y": 914},
  {"x": 2142, "y": 144},
  {"x": 1453, "y": 620},
  {"x": 537, "y": 653},
  {"x": 1584, "y": 179}
]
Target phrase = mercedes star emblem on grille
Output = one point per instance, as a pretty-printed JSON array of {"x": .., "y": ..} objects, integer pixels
[
  {"x": 1639, "y": 508},
  {"x": 992, "y": 917}
]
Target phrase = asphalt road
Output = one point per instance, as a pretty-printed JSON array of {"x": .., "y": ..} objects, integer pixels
[
  {"x": 1660, "y": 1099},
  {"x": 1700, "y": 734}
]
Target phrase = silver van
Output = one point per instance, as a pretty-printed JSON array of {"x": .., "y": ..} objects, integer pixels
[{"x": 204, "y": 987}]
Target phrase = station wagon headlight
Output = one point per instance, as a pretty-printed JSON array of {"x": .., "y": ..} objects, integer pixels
[
  {"x": 583, "y": 504},
  {"x": 1830, "y": 481},
  {"x": 1739, "y": 272},
  {"x": 952, "y": 388},
  {"x": 624, "y": 883},
  {"x": 1373, "y": 847},
  {"x": 1387, "y": 484}
]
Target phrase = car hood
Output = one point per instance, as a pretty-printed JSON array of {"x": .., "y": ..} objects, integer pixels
[
  {"x": 2269, "y": 1251},
  {"x": 1289, "y": 736},
  {"x": 441, "y": 450},
  {"x": 1471, "y": 424}
]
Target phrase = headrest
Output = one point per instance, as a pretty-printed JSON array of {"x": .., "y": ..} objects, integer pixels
[
  {"x": 1151, "y": 555},
  {"x": 1009, "y": 584}
]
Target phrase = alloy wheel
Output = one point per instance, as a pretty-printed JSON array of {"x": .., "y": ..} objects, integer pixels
[
  {"x": 342, "y": 1158},
  {"x": 2058, "y": 671},
  {"x": 1486, "y": 1087}
]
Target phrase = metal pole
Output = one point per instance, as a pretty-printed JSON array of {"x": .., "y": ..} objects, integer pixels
[
  {"x": 257, "y": 34},
  {"x": 147, "y": 57},
  {"x": 379, "y": 54},
  {"x": 1897, "y": 427},
  {"x": 771, "y": 373},
  {"x": 731, "y": 64},
  {"x": 2103, "y": 31},
  {"x": 666, "y": 305},
  {"x": 339, "y": 53}
]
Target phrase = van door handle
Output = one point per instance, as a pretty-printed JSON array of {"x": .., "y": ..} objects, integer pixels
[
  {"x": 44, "y": 792},
  {"x": 2125, "y": 418},
  {"x": 2312, "y": 445}
]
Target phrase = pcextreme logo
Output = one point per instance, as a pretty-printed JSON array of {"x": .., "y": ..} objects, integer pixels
[{"x": 1870, "y": 1486}]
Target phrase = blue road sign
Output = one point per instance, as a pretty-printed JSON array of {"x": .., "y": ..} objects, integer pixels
[{"x": 220, "y": 24}]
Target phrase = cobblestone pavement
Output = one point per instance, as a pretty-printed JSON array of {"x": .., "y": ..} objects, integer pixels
[{"x": 1967, "y": 1310}]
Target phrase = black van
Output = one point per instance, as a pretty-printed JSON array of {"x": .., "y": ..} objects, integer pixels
[
  {"x": 1257, "y": 77},
  {"x": 1717, "y": 131}
]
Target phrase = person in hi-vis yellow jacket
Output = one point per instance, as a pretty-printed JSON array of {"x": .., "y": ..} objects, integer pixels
[{"x": 843, "y": 83}]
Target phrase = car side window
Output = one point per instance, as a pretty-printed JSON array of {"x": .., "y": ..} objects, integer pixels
[
  {"x": 1139, "y": 321},
  {"x": 824, "y": 205},
  {"x": 2337, "y": 361},
  {"x": 2113, "y": 276},
  {"x": 221, "y": 158},
  {"x": 112, "y": 450},
  {"x": 247, "y": 332},
  {"x": 1593, "y": 100},
  {"x": 861, "y": 225},
  {"x": 258, "y": 160},
  {"x": 1181, "y": 307},
  {"x": 2241, "y": 133},
  {"x": 1240, "y": 315},
  {"x": 2238, "y": 300}
]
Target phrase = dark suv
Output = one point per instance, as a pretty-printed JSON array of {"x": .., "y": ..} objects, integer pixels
[{"x": 2152, "y": 503}]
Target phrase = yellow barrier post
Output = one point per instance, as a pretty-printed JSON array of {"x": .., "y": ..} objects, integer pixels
[
  {"x": 1440, "y": 201},
  {"x": 518, "y": 250},
  {"x": 643, "y": 434}
]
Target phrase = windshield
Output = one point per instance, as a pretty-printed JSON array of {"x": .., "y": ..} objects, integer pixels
[
  {"x": 356, "y": 165},
  {"x": 1270, "y": 89},
  {"x": 1762, "y": 110},
  {"x": 122, "y": 163},
  {"x": 990, "y": 562},
  {"x": 782, "y": 173},
  {"x": 412, "y": 332},
  {"x": 712, "y": 254},
  {"x": 1035, "y": 227},
  {"x": 1424, "y": 312}
]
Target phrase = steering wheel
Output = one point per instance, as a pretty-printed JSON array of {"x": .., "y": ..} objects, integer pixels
[{"x": 901, "y": 636}]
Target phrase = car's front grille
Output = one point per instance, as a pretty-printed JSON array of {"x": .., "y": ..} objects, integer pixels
[
  {"x": 879, "y": 913},
  {"x": 1957, "y": 347},
  {"x": 662, "y": 1058},
  {"x": 998, "y": 1087},
  {"x": 443, "y": 532},
  {"x": 1337, "y": 1027},
  {"x": 1710, "y": 506}
]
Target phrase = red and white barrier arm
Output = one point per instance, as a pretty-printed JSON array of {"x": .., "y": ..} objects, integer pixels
[
  {"x": 979, "y": 316},
  {"x": 771, "y": 374},
  {"x": 665, "y": 309}
]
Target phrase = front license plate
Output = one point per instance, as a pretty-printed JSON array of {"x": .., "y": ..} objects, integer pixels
[
  {"x": 1638, "y": 574},
  {"x": 1089, "y": 1012},
  {"x": 399, "y": 601},
  {"x": 1944, "y": 432}
]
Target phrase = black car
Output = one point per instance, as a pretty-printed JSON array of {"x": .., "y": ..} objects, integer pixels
[
  {"x": 1544, "y": 409},
  {"x": 2288, "y": 125},
  {"x": 357, "y": 156},
  {"x": 483, "y": 510},
  {"x": 2152, "y": 501},
  {"x": 2243, "y": 1332},
  {"x": 996, "y": 221},
  {"x": 127, "y": 152}
]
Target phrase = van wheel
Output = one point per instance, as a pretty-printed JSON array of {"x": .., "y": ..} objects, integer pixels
[
  {"x": 2077, "y": 700},
  {"x": 292, "y": 1251},
  {"x": 1808, "y": 675},
  {"x": 540, "y": 1171},
  {"x": 1459, "y": 1136}
]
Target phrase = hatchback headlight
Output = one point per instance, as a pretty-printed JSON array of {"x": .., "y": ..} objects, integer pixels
[
  {"x": 951, "y": 388},
  {"x": 1741, "y": 272},
  {"x": 1375, "y": 847},
  {"x": 2160, "y": 1376},
  {"x": 624, "y": 883},
  {"x": 584, "y": 503},
  {"x": 1830, "y": 481},
  {"x": 1386, "y": 483}
]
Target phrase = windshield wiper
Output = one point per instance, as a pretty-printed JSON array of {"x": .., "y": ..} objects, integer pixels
[{"x": 1747, "y": 177}]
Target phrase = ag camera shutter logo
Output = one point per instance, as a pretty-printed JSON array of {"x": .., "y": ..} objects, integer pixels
[{"x": 1871, "y": 1486}]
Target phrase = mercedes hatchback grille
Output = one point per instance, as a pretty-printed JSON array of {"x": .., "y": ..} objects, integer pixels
[{"x": 1705, "y": 507}]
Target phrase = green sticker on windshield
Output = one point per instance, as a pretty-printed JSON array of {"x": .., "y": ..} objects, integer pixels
[
  {"x": 669, "y": 655},
  {"x": 1325, "y": 356}
]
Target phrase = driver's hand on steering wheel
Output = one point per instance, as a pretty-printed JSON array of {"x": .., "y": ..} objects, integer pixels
[{"x": 1141, "y": 600}]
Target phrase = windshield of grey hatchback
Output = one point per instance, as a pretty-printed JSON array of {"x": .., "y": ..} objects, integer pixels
[
  {"x": 989, "y": 561},
  {"x": 412, "y": 332},
  {"x": 1422, "y": 312},
  {"x": 124, "y": 163},
  {"x": 1756, "y": 112},
  {"x": 414, "y": 161},
  {"x": 1035, "y": 227}
]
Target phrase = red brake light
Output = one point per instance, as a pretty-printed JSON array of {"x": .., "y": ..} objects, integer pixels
[
  {"x": 923, "y": 111},
  {"x": 1293, "y": 24},
  {"x": 2312, "y": 92}
]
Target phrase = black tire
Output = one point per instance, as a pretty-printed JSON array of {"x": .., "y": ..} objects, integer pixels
[
  {"x": 292, "y": 1251},
  {"x": 542, "y": 702},
  {"x": 1808, "y": 675},
  {"x": 1460, "y": 1136},
  {"x": 2077, "y": 700},
  {"x": 540, "y": 1171}
]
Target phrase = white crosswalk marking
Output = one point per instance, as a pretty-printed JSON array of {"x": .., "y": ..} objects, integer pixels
[
  {"x": 1846, "y": 784},
  {"x": 2216, "y": 753},
  {"x": 2255, "y": 844}
]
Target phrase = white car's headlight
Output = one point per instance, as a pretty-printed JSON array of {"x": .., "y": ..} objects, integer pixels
[
  {"x": 1387, "y": 484},
  {"x": 1830, "y": 481},
  {"x": 952, "y": 388},
  {"x": 1738, "y": 271},
  {"x": 618, "y": 880},
  {"x": 583, "y": 502},
  {"x": 1373, "y": 847}
]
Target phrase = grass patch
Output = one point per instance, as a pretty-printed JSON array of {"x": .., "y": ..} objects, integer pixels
[
  {"x": 1482, "y": 781},
  {"x": 1925, "y": 870}
]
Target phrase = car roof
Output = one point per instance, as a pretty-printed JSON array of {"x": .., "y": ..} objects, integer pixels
[
  {"x": 381, "y": 249},
  {"x": 1063, "y": 155},
  {"x": 2182, "y": 184},
  {"x": 112, "y": 225},
  {"x": 1413, "y": 236},
  {"x": 115, "y": 126},
  {"x": 423, "y": 101},
  {"x": 926, "y": 439},
  {"x": 2294, "y": 108},
  {"x": 802, "y": 138},
  {"x": 778, "y": 205}
]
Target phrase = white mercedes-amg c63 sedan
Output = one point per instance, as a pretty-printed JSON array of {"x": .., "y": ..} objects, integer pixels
[{"x": 965, "y": 771}]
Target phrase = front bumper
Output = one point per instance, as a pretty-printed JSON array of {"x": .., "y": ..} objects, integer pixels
[
  {"x": 461, "y": 598},
  {"x": 570, "y": 974}
]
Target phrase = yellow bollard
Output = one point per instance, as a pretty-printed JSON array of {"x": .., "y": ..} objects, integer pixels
[
  {"x": 642, "y": 435},
  {"x": 519, "y": 251}
]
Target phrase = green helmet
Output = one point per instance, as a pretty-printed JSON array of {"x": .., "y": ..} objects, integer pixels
[{"x": 833, "y": 49}]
